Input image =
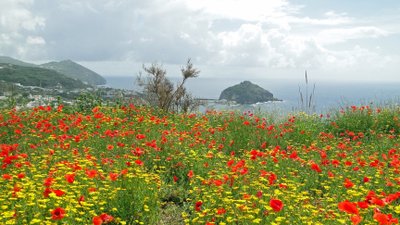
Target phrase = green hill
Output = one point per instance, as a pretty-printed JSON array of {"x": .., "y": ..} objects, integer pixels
[
  {"x": 246, "y": 93},
  {"x": 66, "y": 67},
  {"x": 76, "y": 71},
  {"x": 9, "y": 60},
  {"x": 35, "y": 76}
]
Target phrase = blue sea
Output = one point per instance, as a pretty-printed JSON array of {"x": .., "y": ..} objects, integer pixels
[{"x": 328, "y": 95}]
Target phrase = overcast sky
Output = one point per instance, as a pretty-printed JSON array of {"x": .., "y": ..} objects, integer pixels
[{"x": 332, "y": 39}]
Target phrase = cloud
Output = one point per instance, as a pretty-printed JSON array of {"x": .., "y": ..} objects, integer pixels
[
  {"x": 337, "y": 35},
  {"x": 85, "y": 30},
  {"x": 35, "y": 40},
  {"x": 242, "y": 33},
  {"x": 247, "y": 10},
  {"x": 18, "y": 26}
]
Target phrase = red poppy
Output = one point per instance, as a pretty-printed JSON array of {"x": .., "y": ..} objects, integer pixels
[
  {"x": 16, "y": 188},
  {"x": 58, "y": 192},
  {"x": 293, "y": 155},
  {"x": 276, "y": 204},
  {"x": 113, "y": 176},
  {"x": 230, "y": 163},
  {"x": 140, "y": 136},
  {"x": 221, "y": 211},
  {"x": 91, "y": 173},
  {"x": 218, "y": 182},
  {"x": 377, "y": 201},
  {"x": 323, "y": 154},
  {"x": 92, "y": 189},
  {"x": 47, "y": 192},
  {"x": 139, "y": 162},
  {"x": 362, "y": 205},
  {"x": 348, "y": 163},
  {"x": 348, "y": 207},
  {"x": 106, "y": 218},
  {"x": 272, "y": 178},
  {"x": 198, "y": 205},
  {"x": 70, "y": 178},
  {"x": 7, "y": 176},
  {"x": 244, "y": 170},
  {"x": 347, "y": 183},
  {"x": 263, "y": 145},
  {"x": 384, "y": 219},
  {"x": 190, "y": 174},
  {"x": 259, "y": 194},
  {"x": 57, "y": 213},
  {"x": 356, "y": 219},
  {"x": 283, "y": 186},
  {"x": 335, "y": 162},
  {"x": 21, "y": 175},
  {"x": 246, "y": 196},
  {"x": 97, "y": 220},
  {"x": 102, "y": 219},
  {"x": 124, "y": 172},
  {"x": 316, "y": 167},
  {"x": 391, "y": 197},
  {"x": 48, "y": 181},
  {"x": 81, "y": 199}
]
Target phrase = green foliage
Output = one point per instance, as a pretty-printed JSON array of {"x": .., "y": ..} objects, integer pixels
[
  {"x": 304, "y": 128},
  {"x": 387, "y": 120},
  {"x": 86, "y": 102},
  {"x": 353, "y": 119},
  {"x": 136, "y": 200},
  {"x": 365, "y": 120},
  {"x": 34, "y": 76}
]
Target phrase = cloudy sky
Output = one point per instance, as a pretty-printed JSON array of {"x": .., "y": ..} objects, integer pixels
[{"x": 332, "y": 39}]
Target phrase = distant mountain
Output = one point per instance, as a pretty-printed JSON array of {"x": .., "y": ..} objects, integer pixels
[
  {"x": 246, "y": 93},
  {"x": 76, "y": 71},
  {"x": 9, "y": 60},
  {"x": 36, "y": 76},
  {"x": 66, "y": 67}
]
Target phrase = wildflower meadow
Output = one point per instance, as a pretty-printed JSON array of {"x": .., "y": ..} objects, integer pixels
[{"x": 132, "y": 164}]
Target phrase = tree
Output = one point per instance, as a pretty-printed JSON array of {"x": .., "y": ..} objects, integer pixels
[{"x": 160, "y": 92}]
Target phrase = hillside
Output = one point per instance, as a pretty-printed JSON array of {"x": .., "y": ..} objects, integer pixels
[
  {"x": 35, "y": 76},
  {"x": 66, "y": 67},
  {"x": 76, "y": 71},
  {"x": 246, "y": 93},
  {"x": 9, "y": 60}
]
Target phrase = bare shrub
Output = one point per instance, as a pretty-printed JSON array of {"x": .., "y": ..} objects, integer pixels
[{"x": 161, "y": 93}]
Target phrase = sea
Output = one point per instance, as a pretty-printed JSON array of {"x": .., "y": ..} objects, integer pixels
[{"x": 327, "y": 96}]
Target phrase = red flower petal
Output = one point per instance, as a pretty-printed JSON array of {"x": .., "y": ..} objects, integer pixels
[
  {"x": 276, "y": 204},
  {"x": 348, "y": 207}
]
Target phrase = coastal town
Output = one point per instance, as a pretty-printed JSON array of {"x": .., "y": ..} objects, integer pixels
[
  {"x": 20, "y": 96},
  {"x": 26, "y": 85}
]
